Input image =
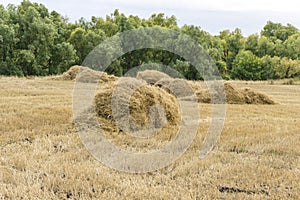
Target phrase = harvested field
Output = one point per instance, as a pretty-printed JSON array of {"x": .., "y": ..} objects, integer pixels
[{"x": 42, "y": 156}]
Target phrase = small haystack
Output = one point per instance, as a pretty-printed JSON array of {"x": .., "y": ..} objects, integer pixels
[
  {"x": 71, "y": 73},
  {"x": 86, "y": 75},
  {"x": 151, "y": 76},
  {"x": 179, "y": 87},
  {"x": 252, "y": 97},
  {"x": 233, "y": 95}
]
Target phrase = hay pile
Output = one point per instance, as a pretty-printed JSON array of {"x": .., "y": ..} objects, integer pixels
[
  {"x": 71, "y": 73},
  {"x": 233, "y": 95},
  {"x": 178, "y": 87},
  {"x": 150, "y": 108},
  {"x": 85, "y": 75},
  {"x": 151, "y": 76},
  {"x": 252, "y": 97}
]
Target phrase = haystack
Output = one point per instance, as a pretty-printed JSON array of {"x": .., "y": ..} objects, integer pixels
[
  {"x": 151, "y": 76},
  {"x": 86, "y": 75},
  {"x": 71, "y": 73},
  {"x": 253, "y": 97},
  {"x": 178, "y": 87},
  {"x": 150, "y": 107},
  {"x": 233, "y": 95}
]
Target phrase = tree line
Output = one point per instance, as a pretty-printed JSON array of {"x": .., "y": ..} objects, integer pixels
[{"x": 36, "y": 42}]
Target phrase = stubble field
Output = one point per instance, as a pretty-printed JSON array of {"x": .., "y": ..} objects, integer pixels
[{"x": 42, "y": 156}]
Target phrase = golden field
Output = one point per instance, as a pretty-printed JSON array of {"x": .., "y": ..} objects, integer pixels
[{"x": 42, "y": 156}]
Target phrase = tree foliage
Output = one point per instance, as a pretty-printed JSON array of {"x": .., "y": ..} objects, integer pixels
[
  {"x": 34, "y": 41},
  {"x": 246, "y": 66}
]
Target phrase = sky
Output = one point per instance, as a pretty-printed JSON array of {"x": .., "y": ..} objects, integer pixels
[{"x": 212, "y": 15}]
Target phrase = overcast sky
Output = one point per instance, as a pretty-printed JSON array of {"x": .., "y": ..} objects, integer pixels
[{"x": 211, "y": 15}]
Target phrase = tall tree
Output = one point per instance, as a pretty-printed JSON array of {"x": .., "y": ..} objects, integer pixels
[
  {"x": 251, "y": 43},
  {"x": 234, "y": 43},
  {"x": 275, "y": 31}
]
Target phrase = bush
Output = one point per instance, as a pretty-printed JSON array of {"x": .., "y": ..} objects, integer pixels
[{"x": 10, "y": 70}]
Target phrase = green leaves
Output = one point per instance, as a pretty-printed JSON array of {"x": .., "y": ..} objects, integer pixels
[
  {"x": 63, "y": 56},
  {"x": 246, "y": 66},
  {"x": 36, "y": 42},
  {"x": 276, "y": 31},
  {"x": 292, "y": 46}
]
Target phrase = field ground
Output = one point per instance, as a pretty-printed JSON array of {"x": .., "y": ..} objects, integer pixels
[{"x": 42, "y": 157}]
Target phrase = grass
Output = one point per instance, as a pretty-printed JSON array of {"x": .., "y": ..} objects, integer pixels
[{"x": 42, "y": 157}]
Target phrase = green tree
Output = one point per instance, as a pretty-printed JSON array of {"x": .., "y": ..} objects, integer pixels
[
  {"x": 234, "y": 43},
  {"x": 279, "y": 49},
  {"x": 265, "y": 46},
  {"x": 160, "y": 20},
  {"x": 246, "y": 66},
  {"x": 292, "y": 47},
  {"x": 77, "y": 40},
  {"x": 251, "y": 43},
  {"x": 26, "y": 61},
  {"x": 63, "y": 56},
  {"x": 268, "y": 67},
  {"x": 275, "y": 31},
  {"x": 287, "y": 68},
  {"x": 36, "y": 34},
  {"x": 34, "y": 41}
]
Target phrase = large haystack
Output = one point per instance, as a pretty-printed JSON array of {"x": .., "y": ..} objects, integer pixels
[
  {"x": 150, "y": 107},
  {"x": 151, "y": 76}
]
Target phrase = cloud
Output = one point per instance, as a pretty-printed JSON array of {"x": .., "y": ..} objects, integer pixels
[{"x": 223, "y": 5}]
